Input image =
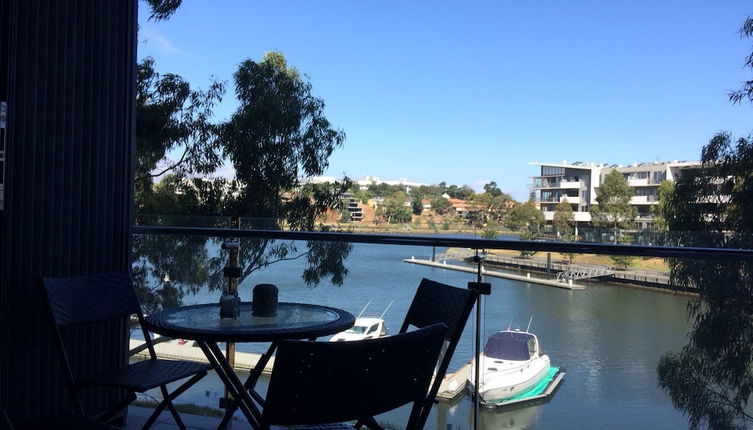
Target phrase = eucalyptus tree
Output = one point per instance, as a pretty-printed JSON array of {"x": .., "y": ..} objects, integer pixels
[
  {"x": 711, "y": 378},
  {"x": 163, "y": 9},
  {"x": 171, "y": 118},
  {"x": 278, "y": 134}
]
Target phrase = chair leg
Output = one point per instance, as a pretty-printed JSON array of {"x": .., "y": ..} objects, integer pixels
[
  {"x": 167, "y": 401},
  {"x": 171, "y": 407},
  {"x": 249, "y": 384}
]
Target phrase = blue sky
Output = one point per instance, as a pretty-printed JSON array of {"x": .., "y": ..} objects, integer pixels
[{"x": 469, "y": 92}]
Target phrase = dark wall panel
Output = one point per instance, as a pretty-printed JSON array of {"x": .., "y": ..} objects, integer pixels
[{"x": 70, "y": 90}]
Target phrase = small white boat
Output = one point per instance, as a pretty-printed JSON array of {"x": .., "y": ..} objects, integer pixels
[
  {"x": 511, "y": 364},
  {"x": 364, "y": 328}
]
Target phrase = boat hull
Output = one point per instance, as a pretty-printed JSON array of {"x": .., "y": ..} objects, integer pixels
[{"x": 504, "y": 379}]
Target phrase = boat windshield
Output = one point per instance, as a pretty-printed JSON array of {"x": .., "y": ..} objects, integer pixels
[
  {"x": 356, "y": 329},
  {"x": 510, "y": 346}
]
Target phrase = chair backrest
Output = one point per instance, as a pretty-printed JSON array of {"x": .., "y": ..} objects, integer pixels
[
  {"x": 87, "y": 299},
  {"x": 104, "y": 299},
  {"x": 433, "y": 303},
  {"x": 325, "y": 382}
]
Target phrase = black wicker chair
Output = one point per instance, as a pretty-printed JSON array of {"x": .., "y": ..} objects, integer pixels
[
  {"x": 319, "y": 383},
  {"x": 77, "y": 301},
  {"x": 433, "y": 303}
]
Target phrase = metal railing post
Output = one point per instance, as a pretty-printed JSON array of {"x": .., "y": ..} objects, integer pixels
[
  {"x": 482, "y": 288},
  {"x": 232, "y": 272}
]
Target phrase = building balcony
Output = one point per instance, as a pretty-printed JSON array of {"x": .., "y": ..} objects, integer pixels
[
  {"x": 541, "y": 183},
  {"x": 636, "y": 182},
  {"x": 570, "y": 199},
  {"x": 577, "y": 216}
]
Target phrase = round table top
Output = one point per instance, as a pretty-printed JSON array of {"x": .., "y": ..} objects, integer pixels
[{"x": 293, "y": 321}]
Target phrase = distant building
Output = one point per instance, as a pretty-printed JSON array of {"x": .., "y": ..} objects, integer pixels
[
  {"x": 460, "y": 206},
  {"x": 353, "y": 207},
  {"x": 578, "y": 183},
  {"x": 363, "y": 184}
]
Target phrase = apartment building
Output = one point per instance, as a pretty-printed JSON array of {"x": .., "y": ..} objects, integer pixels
[{"x": 578, "y": 183}]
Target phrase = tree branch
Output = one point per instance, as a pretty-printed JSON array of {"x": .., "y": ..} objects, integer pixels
[{"x": 167, "y": 169}]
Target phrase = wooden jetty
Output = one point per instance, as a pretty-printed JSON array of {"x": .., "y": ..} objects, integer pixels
[{"x": 569, "y": 285}]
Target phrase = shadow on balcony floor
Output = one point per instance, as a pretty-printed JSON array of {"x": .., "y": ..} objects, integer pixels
[{"x": 138, "y": 415}]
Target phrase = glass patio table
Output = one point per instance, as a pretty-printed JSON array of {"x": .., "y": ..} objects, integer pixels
[{"x": 202, "y": 323}]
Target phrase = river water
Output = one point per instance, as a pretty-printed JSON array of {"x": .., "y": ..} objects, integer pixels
[{"x": 608, "y": 338}]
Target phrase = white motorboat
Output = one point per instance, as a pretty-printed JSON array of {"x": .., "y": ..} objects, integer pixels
[
  {"x": 364, "y": 328},
  {"x": 511, "y": 364}
]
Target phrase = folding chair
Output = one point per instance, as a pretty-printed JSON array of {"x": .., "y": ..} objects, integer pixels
[
  {"x": 77, "y": 301},
  {"x": 433, "y": 303},
  {"x": 316, "y": 383}
]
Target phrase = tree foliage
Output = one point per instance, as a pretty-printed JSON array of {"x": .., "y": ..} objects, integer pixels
[
  {"x": 711, "y": 379},
  {"x": 746, "y": 91},
  {"x": 416, "y": 205},
  {"x": 278, "y": 134},
  {"x": 659, "y": 211},
  {"x": 564, "y": 219},
  {"x": 163, "y": 9},
  {"x": 712, "y": 206},
  {"x": 170, "y": 116},
  {"x": 492, "y": 189},
  {"x": 463, "y": 192},
  {"x": 490, "y": 206},
  {"x": 528, "y": 234},
  {"x": 441, "y": 205},
  {"x": 491, "y": 231},
  {"x": 614, "y": 209},
  {"x": 394, "y": 210},
  {"x": 525, "y": 216}
]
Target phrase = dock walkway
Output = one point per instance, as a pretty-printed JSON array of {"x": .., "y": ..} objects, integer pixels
[
  {"x": 568, "y": 285},
  {"x": 641, "y": 277}
]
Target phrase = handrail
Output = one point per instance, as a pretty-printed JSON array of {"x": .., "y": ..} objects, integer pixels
[{"x": 479, "y": 244}]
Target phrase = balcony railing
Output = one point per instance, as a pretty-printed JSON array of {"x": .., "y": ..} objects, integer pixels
[{"x": 582, "y": 330}]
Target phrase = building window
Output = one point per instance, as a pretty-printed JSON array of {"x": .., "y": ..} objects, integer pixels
[
  {"x": 552, "y": 171},
  {"x": 658, "y": 177}
]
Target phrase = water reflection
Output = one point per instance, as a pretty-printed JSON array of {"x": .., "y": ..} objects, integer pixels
[{"x": 516, "y": 419}]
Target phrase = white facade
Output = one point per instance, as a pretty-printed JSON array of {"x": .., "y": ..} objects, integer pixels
[
  {"x": 578, "y": 184},
  {"x": 364, "y": 183}
]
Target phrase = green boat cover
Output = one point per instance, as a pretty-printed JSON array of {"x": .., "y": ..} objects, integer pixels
[{"x": 534, "y": 391}]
